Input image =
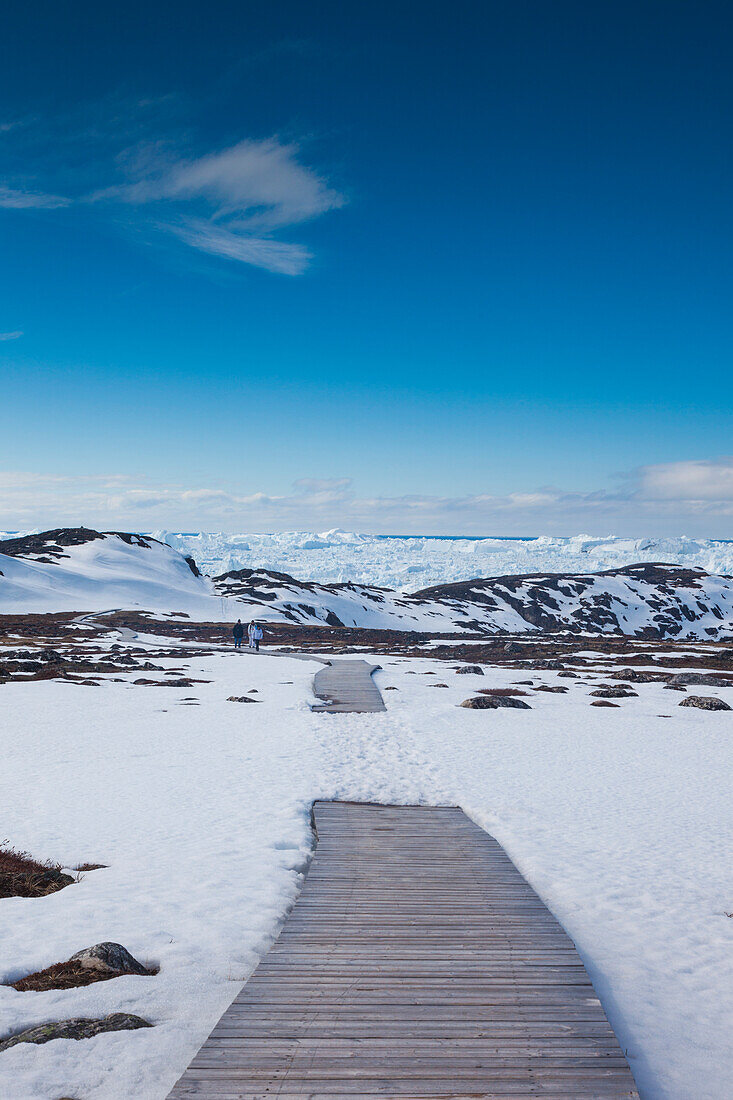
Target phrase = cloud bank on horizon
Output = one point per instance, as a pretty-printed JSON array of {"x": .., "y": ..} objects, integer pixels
[{"x": 690, "y": 497}]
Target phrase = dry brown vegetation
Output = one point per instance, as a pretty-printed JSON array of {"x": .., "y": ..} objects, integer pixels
[
  {"x": 66, "y": 975},
  {"x": 501, "y": 692},
  {"x": 21, "y": 876},
  {"x": 531, "y": 651}
]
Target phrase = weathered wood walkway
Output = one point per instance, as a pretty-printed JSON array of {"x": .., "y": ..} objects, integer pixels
[
  {"x": 417, "y": 962},
  {"x": 347, "y": 687}
]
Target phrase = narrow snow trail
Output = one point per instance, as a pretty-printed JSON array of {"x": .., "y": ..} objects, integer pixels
[{"x": 377, "y": 758}]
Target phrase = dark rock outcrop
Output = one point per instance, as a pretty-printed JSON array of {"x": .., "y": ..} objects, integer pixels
[
  {"x": 190, "y": 562},
  {"x": 640, "y": 675},
  {"x": 705, "y": 702},
  {"x": 47, "y": 546},
  {"x": 701, "y": 679},
  {"x": 79, "y": 1028},
  {"x": 495, "y": 702},
  {"x": 109, "y": 956}
]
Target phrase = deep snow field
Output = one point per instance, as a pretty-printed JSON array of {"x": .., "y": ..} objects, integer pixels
[
  {"x": 619, "y": 818},
  {"x": 416, "y": 562}
]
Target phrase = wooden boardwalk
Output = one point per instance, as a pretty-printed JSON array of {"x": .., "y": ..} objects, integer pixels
[
  {"x": 347, "y": 687},
  {"x": 417, "y": 962}
]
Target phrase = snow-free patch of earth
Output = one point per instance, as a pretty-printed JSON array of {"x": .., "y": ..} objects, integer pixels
[{"x": 619, "y": 818}]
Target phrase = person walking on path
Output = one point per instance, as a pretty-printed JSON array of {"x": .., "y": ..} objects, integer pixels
[
  {"x": 255, "y": 633},
  {"x": 238, "y": 632}
]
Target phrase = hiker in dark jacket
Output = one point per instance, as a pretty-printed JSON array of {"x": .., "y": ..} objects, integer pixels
[{"x": 238, "y": 632}]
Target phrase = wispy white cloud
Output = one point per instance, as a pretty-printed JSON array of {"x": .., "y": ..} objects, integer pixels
[
  {"x": 260, "y": 183},
  {"x": 234, "y": 202},
  {"x": 654, "y": 500},
  {"x": 276, "y": 256},
  {"x": 11, "y": 335},
  {"x": 229, "y": 203},
  {"x": 16, "y": 199}
]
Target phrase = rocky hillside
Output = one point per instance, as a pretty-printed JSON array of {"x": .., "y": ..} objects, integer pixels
[
  {"x": 646, "y": 601},
  {"x": 297, "y": 601},
  {"x": 82, "y": 570},
  {"x": 651, "y": 600}
]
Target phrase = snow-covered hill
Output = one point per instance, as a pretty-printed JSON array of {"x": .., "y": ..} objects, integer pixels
[
  {"x": 645, "y": 600},
  {"x": 82, "y": 570},
  {"x": 76, "y": 569},
  {"x": 650, "y": 599},
  {"x": 279, "y": 596}
]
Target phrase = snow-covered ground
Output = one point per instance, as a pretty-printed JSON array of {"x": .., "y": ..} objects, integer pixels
[
  {"x": 413, "y": 563},
  {"x": 103, "y": 574},
  {"x": 620, "y": 819}
]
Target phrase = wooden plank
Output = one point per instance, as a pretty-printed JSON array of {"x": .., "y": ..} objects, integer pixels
[
  {"x": 447, "y": 1090},
  {"x": 347, "y": 687},
  {"x": 417, "y": 962},
  {"x": 378, "y": 1088}
]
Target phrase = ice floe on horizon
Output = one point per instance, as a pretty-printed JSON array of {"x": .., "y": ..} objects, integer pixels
[{"x": 406, "y": 562}]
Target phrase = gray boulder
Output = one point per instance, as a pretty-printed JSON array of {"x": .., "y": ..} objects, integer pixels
[
  {"x": 76, "y": 1029},
  {"x": 703, "y": 679},
  {"x": 640, "y": 676},
  {"x": 611, "y": 692},
  {"x": 110, "y": 958},
  {"x": 494, "y": 702},
  {"x": 466, "y": 670},
  {"x": 705, "y": 702}
]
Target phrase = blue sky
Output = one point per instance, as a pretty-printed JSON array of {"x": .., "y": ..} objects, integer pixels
[{"x": 447, "y": 267}]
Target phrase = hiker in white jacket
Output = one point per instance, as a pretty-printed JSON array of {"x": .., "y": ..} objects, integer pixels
[{"x": 254, "y": 633}]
